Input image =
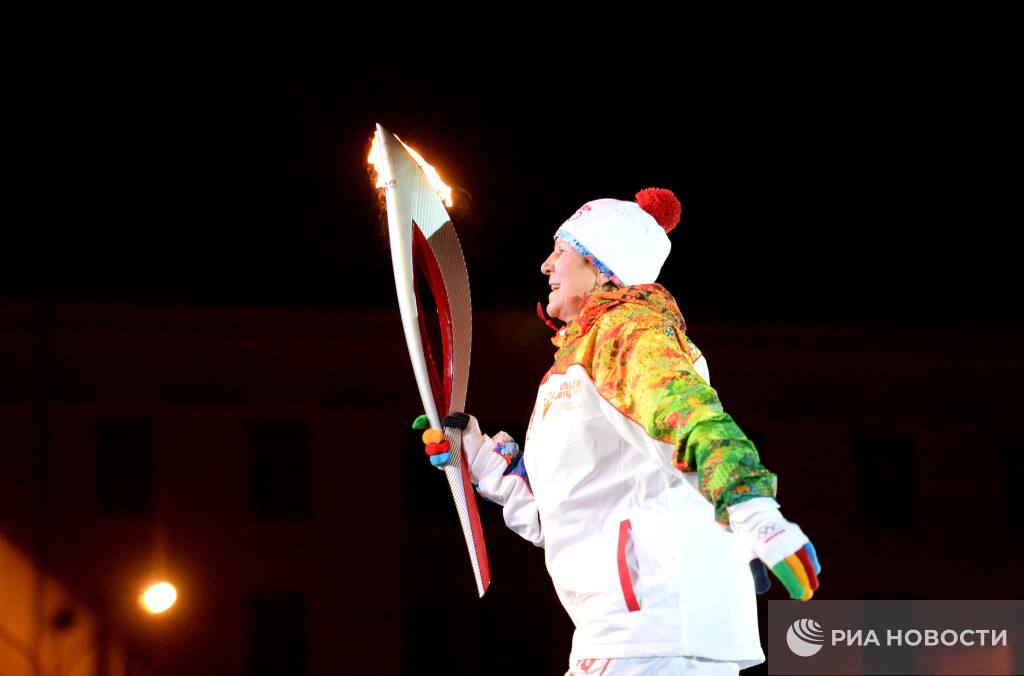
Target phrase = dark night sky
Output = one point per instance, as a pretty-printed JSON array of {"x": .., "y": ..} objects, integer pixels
[{"x": 854, "y": 173}]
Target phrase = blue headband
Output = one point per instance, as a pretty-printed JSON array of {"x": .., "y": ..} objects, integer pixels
[{"x": 585, "y": 252}]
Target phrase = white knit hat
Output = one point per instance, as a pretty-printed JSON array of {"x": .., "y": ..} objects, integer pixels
[{"x": 628, "y": 241}]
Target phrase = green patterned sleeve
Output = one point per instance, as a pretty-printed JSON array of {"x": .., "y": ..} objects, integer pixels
[{"x": 648, "y": 374}]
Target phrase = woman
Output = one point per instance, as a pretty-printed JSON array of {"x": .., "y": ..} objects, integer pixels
[{"x": 647, "y": 498}]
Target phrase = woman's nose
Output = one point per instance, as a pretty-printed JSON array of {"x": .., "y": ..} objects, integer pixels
[{"x": 545, "y": 267}]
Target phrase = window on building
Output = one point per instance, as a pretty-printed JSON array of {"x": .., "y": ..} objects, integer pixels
[
  {"x": 1012, "y": 462},
  {"x": 277, "y": 636},
  {"x": 885, "y": 481},
  {"x": 279, "y": 461},
  {"x": 124, "y": 467}
]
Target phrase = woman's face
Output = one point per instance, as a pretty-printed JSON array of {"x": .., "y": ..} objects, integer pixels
[{"x": 571, "y": 278}]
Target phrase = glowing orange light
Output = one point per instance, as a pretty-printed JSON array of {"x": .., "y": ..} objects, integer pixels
[
  {"x": 158, "y": 597},
  {"x": 439, "y": 186}
]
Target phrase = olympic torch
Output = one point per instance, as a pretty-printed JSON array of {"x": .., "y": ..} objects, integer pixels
[{"x": 424, "y": 246}]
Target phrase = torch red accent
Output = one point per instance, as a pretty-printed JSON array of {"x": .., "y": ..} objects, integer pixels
[
  {"x": 424, "y": 260},
  {"x": 627, "y": 585},
  {"x": 663, "y": 205},
  {"x": 475, "y": 525},
  {"x": 812, "y": 577},
  {"x": 543, "y": 318}
]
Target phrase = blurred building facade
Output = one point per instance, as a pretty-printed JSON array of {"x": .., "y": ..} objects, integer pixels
[{"x": 261, "y": 460}]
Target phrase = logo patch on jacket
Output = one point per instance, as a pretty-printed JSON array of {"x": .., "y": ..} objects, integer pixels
[
  {"x": 592, "y": 666},
  {"x": 566, "y": 396}
]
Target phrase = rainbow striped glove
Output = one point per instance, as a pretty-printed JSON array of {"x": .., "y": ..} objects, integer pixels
[
  {"x": 780, "y": 544},
  {"x": 436, "y": 446}
]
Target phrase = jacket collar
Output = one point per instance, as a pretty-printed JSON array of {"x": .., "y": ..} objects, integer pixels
[{"x": 652, "y": 298}]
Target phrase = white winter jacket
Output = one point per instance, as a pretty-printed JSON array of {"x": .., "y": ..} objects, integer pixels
[{"x": 631, "y": 542}]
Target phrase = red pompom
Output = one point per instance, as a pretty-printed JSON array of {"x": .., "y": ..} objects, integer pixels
[{"x": 663, "y": 205}]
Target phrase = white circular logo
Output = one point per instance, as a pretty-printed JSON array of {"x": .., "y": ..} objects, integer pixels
[{"x": 805, "y": 637}]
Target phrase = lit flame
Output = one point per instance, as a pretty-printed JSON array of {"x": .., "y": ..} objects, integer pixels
[
  {"x": 159, "y": 597},
  {"x": 439, "y": 186}
]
